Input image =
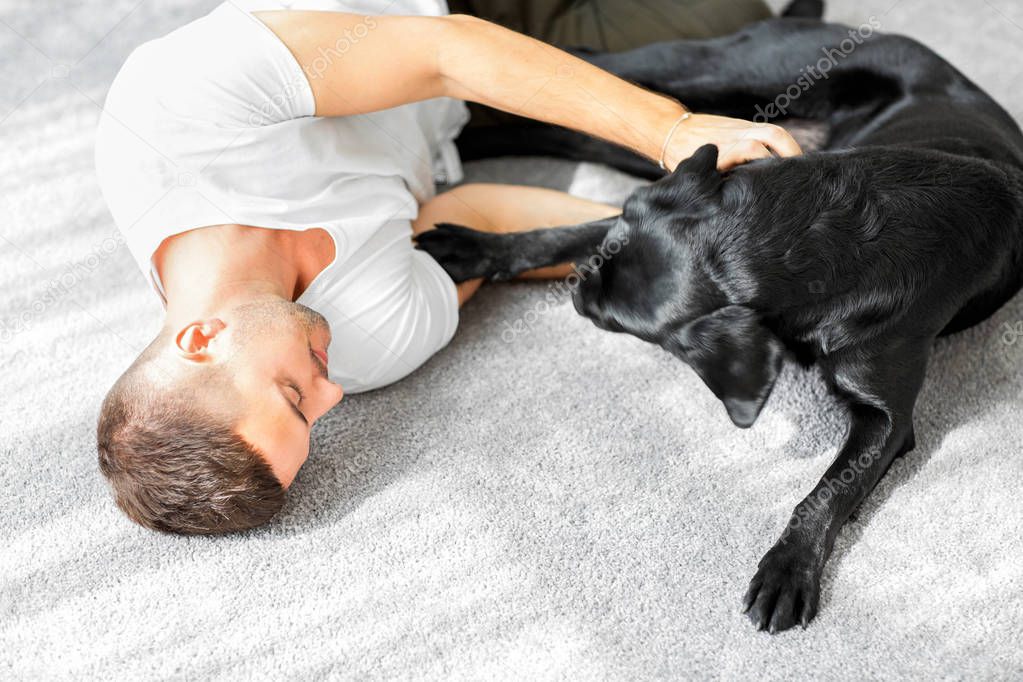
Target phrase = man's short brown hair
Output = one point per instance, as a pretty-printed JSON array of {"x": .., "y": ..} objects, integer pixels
[{"x": 176, "y": 467}]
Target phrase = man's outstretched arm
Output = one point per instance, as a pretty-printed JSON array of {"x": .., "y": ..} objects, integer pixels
[{"x": 357, "y": 64}]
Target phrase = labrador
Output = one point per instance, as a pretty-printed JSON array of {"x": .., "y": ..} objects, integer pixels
[{"x": 906, "y": 225}]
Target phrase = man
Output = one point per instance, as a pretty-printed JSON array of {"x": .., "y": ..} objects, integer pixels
[{"x": 269, "y": 170}]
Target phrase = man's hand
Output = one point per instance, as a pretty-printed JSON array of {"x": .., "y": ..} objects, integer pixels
[{"x": 738, "y": 141}]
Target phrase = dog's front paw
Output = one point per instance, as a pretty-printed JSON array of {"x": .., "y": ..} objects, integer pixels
[
  {"x": 785, "y": 589},
  {"x": 464, "y": 253}
]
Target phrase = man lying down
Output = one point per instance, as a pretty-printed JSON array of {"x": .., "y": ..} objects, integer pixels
[{"x": 269, "y": 168}]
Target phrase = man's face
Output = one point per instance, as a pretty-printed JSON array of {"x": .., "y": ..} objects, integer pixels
[{"x": 276, "y": 353}]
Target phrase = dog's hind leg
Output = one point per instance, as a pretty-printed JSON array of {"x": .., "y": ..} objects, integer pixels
[
  {"x": 768, "y": 70},
  {"x": 881, "y": 387}
]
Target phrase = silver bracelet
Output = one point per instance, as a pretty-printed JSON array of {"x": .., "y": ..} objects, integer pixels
[{"x": 667, "y": 139}]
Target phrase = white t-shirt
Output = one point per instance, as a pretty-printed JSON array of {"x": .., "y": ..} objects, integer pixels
[{"x": 213, "y": 124}]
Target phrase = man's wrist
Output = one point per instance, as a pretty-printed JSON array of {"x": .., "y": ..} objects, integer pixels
[
  {"x": 664, "y": 117},
  {"x": 664, "y": 159}
]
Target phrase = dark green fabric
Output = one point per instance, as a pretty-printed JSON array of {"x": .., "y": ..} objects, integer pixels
[{"x": 615, "y": 25}]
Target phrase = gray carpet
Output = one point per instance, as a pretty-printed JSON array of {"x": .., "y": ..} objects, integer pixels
[{"x": 564, "y": 504}]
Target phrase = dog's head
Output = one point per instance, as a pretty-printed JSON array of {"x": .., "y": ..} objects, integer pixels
[{"x": 651, "y": 278}]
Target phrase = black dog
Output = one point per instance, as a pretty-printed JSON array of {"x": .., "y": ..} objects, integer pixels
[{"x": 907, "y": 226}]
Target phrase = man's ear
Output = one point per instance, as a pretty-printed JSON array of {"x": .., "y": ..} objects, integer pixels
[
  {"x": 193, "y": 341},
  {"x": 736, "y": 356}
]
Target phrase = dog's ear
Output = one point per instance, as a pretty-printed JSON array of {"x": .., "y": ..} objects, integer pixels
[
  {"x": 698, "y": 175},
  {"x": 703, "y": 162},
  {"x": 736, "y": 356},
  {"x": 693, "y": 188}
]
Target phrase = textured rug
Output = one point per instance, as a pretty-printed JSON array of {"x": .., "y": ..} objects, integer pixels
[{"x": 553, "y": 503}]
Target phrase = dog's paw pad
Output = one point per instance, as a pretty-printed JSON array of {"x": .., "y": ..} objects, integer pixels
[{"x": 785, "y": 590}]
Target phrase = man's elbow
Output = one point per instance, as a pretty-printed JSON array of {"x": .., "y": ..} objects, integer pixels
[{"x": 456, "y": 48}]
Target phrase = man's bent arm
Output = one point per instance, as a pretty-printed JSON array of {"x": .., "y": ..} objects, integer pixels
[
  {"x": 508, "y": 208},
  {"x": 357, "y": 64}
]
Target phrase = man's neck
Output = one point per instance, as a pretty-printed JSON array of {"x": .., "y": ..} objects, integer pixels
[{"x": 212, "y": 268}]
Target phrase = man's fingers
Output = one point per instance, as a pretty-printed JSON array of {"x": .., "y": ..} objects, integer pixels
[
  {"x": 760, "y": 142},
  {"x": 777, "y": 139},
  {"x": 755, "y": 151},
  {"x": 747, "y": 150},
  {"x": 738, "y": 141}
]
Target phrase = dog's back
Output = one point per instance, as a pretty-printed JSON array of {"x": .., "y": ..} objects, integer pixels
[
  {"x": 889, "y": 236},
  {"x": 916, "y": 209}
]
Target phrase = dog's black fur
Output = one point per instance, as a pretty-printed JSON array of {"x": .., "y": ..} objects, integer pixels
[{"x": 906, "y": 226}]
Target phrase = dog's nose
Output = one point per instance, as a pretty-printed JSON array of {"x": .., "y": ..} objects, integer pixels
[
  {"x": 587, "y": 293},
  {"x": 578, "y": 300}
]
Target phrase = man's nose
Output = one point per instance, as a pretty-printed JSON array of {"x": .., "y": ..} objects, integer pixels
[
  {"x": 334, "y": 392},
  {"x": 329, "y": 395}
]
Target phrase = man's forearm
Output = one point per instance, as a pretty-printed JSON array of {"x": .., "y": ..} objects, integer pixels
[{"x": 486, "y": 63}]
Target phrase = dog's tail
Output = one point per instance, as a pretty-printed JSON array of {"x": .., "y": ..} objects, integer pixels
[{"x": 804, "y": 9}]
